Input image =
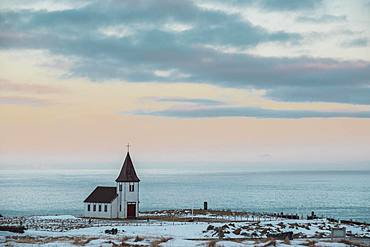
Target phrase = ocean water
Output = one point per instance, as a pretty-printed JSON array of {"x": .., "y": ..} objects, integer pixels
[{"x": 343, "y": 194}]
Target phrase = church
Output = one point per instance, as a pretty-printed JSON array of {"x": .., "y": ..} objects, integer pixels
[{"x": 120, "y": 201}]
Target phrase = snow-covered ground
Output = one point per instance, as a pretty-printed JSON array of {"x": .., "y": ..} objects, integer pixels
[
  {"x": 71, "y": 231},
  {"x": 55, "y": 217}
]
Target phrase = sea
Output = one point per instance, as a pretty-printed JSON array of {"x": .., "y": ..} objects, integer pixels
[{"x": 336, "y": 194}]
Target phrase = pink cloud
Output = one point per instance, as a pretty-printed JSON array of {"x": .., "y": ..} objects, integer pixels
[{"x": 30, "y": 88}]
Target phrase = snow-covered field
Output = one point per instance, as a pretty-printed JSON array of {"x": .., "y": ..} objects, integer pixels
[{"x": 67, "y": 230}]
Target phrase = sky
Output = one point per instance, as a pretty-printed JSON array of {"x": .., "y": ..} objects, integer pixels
[{"x": 259, "y": 84}]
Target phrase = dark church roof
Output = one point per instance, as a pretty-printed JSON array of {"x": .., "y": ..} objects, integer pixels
[
  {"x": 127, "y": 173},
  {"x": 102, "y": 195}
]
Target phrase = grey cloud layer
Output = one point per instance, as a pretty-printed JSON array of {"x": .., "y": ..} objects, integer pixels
[
  {"x": 149, "y": 47},
  {"x": 289, "y": 5},
  {"x": 251, "y": 112},
  {"x": 199, "y": 101},
  {"x": 322, "y": 19},
  {"x": 278, "y": 5}
]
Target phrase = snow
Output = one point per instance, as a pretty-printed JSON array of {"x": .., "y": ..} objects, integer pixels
[
  {"x": 55, "y": 217},
  {"x": 328, "y": 244},
  {"x": 229, "y": 244},
  {"x": 168, "y": 229},
  {"x": 65, "y": 229}
]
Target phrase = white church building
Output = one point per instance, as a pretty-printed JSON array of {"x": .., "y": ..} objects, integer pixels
[{"x": 121, "y": 201}]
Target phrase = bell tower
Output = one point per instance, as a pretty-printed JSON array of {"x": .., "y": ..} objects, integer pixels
[{"x": 128, "y": 189}]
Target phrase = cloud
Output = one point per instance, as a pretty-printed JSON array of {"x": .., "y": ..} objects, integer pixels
[
  {"x": 152, "y": 41},
  {"x": 278, "y": 5},
  {"x": 359, "y": 42},
  {"x": 343, "y": 94},
  {"x": 22, "y": 100},
  {"x": 217, "y": 112},
  {"x": 200, "y": 101},
  {"x": 6, "y": 85},
  {"x": 289, "y": 5},
  {"x": 322, "y": 19}
]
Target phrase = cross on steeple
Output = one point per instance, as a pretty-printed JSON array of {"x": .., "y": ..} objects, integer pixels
[{"x": 128, "y": 147}]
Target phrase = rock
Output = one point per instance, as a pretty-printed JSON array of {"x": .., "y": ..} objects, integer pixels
[
  {"x": 210, "y": 227},
  {"x": 264, "y": 231},
  {"x": 112, "y": 231},
  {"x": 16, "y": 229},
  {"x": 282, "y": 236},
  {"x": 237, "y": 231},
  {"x": 281, "y": 224},
  {"x": 221, "y": 234}
]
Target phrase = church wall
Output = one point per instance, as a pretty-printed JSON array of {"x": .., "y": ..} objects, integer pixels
[
  {"x": 114, "y": 208},
  {"x": 97, "y": 213},
  {"x": 132, "y": 196},
  {"x": 127, "y": 196}
]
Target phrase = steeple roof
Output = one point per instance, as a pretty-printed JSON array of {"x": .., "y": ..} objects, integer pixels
[{"x": 127, "y": 173}]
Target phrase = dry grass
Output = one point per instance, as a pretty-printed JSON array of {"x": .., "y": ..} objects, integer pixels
[
  {"x": 353, "y": 243},
  {"x": 310, "y": 243},
  {"x": 123, "y": 242},
  {"x": 157, "y": 242},
  {"x": 211, "y": 243},
  {"x": 35, "y": 240},
  {"x": 287, "y": 241},
  {"x": 82, "y": 241},
  {"x": 138, "y": 239},
  {"x": 23, "y": 240}
]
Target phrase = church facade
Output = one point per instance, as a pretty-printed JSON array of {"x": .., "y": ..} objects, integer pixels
[{"x": 120, "y": 201}]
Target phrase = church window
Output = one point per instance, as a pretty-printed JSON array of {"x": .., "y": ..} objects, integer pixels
[
  {"x": 105, "y": 208},
  {"x": 88, "y": 207},
  {"x": 99, "y": 208},
  {"x": 94, "y": 208},
  {"x": 131, "y": 187},
  {"x": 120, "y": 207},
  {"x": 120, "y": 187}
]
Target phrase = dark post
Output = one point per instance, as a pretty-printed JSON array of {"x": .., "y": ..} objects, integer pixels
[{"x": 205, "y": 205}]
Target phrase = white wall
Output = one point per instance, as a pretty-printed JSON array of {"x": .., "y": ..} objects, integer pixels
[
  {"x": 126, "y": 196},
  {"x": 114, "y": 208},
  {"x": 111, "y": 210}
]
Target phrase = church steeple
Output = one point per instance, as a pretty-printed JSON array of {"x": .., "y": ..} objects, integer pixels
[{"x": 128, "y": 173}]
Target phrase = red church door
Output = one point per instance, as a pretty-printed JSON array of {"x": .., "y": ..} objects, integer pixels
[{"x": 131, "y": 210}]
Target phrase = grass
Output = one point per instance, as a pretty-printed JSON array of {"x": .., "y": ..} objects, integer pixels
[
  {"x": 82, "y": 241},
  {"x": 211, "y": 243},
  {"x": 157, "y": 242}
]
